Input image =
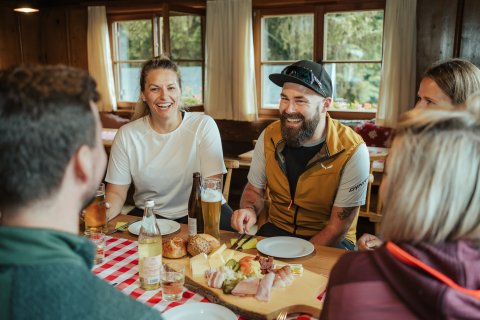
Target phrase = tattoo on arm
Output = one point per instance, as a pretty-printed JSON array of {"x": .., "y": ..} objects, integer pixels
[{"x": 346, "y": 212}]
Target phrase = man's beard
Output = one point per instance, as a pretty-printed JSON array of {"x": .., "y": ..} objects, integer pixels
[{"x": 295, "y": 137}]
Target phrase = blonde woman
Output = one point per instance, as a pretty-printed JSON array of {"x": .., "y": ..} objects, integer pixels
[
  {"x": 429, "y": 267},
  {"x": 162, "y": 147},
  {"x": 445, "y": 83},
  {"x": 448, "y": 82}
]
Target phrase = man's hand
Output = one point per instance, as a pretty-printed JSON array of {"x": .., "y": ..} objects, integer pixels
[
  {"x": 251, "y": 202},
  {"x": 368, "y": 242},
  {"x": 243, "y": 219}
]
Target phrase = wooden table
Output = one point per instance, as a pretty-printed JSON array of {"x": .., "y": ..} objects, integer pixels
[{"x": 320, "y": 261}]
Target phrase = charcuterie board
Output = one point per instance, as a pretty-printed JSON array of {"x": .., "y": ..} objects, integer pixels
[{"x": 300, "y": 296}]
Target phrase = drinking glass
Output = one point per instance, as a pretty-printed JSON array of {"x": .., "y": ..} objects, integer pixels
[
  {"x": 95, "y": 215},
  {"x": 172, "y": 277},
  {"x": 211, "y": 205},
  {"x": 98, "y": 239}
]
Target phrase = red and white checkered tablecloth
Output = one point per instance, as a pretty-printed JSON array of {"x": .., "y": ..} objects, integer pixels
[{"x": 120, "y": 268}]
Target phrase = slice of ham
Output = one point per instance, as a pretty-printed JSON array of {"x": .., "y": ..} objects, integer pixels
[
  {"x": 265, "y": 287},
  {"x": 247, "y": 287},
  {"x": 215, "y": 279},
  {"x": 283, "y": 278}
]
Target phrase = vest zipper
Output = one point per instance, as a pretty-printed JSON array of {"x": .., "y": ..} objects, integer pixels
[
  {"x": 295, "y": 221},
  {"x": 290, "y": 204}
]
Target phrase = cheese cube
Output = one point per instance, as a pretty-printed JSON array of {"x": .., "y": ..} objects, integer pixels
[
  {"x": 216, "y": 261},
  {"x": 199, "y": 264},
  {"x": 228, "y": 254},
  {"x": 219, "y": 250}
]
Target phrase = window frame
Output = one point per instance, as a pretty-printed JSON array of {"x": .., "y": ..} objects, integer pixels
[
  {"x": 318, "y": 11},
  {"x": 153, "y": 13}
]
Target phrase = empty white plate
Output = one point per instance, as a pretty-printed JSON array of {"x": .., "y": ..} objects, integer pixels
[
  {"x": 166, "y": 226},
  {"x": 285, "y": 247},
  {"x": 199, "y": 311}
]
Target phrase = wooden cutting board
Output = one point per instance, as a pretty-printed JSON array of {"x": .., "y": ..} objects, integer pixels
[{"x": 300, "y": 296}]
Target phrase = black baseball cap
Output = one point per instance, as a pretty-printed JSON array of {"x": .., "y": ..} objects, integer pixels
[{"x": 306, "y": 73}]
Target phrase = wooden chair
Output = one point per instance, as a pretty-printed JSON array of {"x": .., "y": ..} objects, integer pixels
[
  {"x": 230, "y": 165},
  {"x": 374, "y": 216}
]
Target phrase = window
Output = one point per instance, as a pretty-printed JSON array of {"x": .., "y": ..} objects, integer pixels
[
  {"x": 285, "y": 39},
  {"x": 139, "y": 37},
  {"x": 133, "y": 45},
  {"x": 348, "y": 42},
  {"x": 353, "y": 58},
  {"x": 187, "y": 51}
]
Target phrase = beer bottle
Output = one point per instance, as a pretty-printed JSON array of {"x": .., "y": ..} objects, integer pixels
[
  {"x": 149, "y": 249},
  {"x": 195, "y": 216}
]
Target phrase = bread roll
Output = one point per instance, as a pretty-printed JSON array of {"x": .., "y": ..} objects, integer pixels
[
  {"x": 214, "y": 243},
  {"x": 198, "y": 244},
  {"x": 174, "y": 248}
]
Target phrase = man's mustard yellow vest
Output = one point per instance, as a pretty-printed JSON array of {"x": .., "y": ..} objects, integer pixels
[{"x": 309, "y": 211}]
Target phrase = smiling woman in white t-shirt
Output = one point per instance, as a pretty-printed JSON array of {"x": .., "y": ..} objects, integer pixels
[{"x": 162, "y": 147}]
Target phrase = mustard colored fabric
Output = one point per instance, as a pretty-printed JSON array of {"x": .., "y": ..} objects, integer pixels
[{"x": 309, "y": 211}]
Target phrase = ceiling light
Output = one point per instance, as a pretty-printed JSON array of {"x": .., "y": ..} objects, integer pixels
[{"x": 26, "y": 8}]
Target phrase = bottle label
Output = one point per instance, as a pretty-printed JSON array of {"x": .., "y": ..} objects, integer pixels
[
  {"x": 151, "y": 269},
  {"x": 192, "y": 226}
]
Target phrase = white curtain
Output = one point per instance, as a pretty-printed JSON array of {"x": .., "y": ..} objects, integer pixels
[
  {"x": 397, "y": 88},
  {"x": 230, "y": 69},
  {"x": 99, "y": 58}
]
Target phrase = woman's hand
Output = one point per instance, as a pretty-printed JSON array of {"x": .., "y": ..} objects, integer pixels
[{"x": 368, "y": 242}]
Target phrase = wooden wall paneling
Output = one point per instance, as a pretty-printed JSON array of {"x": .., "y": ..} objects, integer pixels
[
  {"x": 435, "y": 32},
  {"x": 30, "y": 35},
  {"x": 10, "y": 53},
  {"x": 77, "y": 33},
  {"x": 237, "y": 136},
  {"x": 470, "y": 38},
  {"x": 54, "y": 36}
]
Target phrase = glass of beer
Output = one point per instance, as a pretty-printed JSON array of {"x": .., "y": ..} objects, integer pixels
[
  {"x": 211, "y": 202},
  {"x": 95, "y": 215}
]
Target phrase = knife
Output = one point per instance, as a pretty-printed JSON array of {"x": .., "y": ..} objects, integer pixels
[
  {"x": 236, "y": 243},
  {"x": 240, "y": 248}
]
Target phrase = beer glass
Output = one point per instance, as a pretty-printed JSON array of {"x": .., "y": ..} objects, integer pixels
[
  {"x": 211, "y": 202},
  {"x": 95, "y": 215}
]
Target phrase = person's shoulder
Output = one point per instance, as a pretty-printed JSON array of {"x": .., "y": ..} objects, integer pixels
[
  {"x": 352, "y": 267},
  {"x": 272, "y": 129},
  {"x": 137, "y": 127},
  {"x": 134, "y": 125},
  {"x": 198, "y": 116},
  {"x": 199, "y": 120},
  {"x": 115, "y": 302}
]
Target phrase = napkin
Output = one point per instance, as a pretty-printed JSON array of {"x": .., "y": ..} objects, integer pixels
[
  {"x": 251, "y": 244},
  {"x": 120, "y": 224}
]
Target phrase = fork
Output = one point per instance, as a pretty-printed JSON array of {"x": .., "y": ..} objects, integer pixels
[{"x": 282, "y": 315}]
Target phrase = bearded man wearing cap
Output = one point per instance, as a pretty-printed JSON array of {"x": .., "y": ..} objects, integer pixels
[{"x": 315, "y": 168}]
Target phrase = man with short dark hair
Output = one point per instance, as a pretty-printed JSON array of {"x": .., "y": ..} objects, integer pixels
[
  {"x": 51, "y": 162},
  {"x": 315, "y": 168}
]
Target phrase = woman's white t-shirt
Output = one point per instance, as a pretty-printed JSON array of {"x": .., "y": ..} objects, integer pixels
[{"x": 161, "y": 165}]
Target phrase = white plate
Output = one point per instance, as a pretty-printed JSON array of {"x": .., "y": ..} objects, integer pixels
[
  {"x": 199, "y": 311},
  {"x": 166, "y": 226},
  {"x": 285, "y": 247}
]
